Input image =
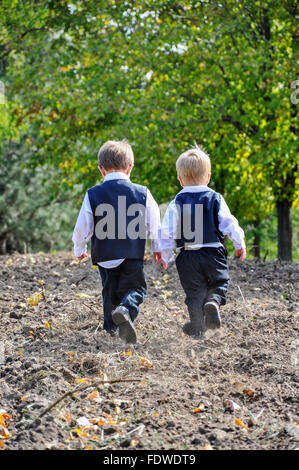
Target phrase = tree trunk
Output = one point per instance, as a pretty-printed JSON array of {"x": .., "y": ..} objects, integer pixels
[{"x": 285, "y": 232}]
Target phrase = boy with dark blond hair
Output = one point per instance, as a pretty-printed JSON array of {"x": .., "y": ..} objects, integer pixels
[{"x": 195, "y": 223}]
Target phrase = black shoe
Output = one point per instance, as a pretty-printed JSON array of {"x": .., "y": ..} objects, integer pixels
[
  {"x": 193, "y": 330},
  {"x": 126, "y": 330},
  {"x": 212, "y": 316}
]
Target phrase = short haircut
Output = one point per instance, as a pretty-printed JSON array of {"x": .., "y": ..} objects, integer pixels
[
  {"x": 193, "y": 165},
  {"x": 116, "y": 155}
]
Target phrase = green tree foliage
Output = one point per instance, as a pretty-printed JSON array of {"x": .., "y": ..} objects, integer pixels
[
  {"x": 28, "y": 219},
  {"x": 162, "y": 74}
]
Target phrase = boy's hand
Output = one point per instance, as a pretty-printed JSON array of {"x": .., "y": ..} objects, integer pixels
[
  {"x": 158, "y": 257},
  {"x": 241, "y": 254},
  {"x": 84, "y": 255}
]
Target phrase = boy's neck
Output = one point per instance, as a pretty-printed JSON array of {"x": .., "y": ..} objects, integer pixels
[
  {"x": 126, "y": 171},
  {"x": 194, "y": 184},
  {"x": 116, "y": 171}
]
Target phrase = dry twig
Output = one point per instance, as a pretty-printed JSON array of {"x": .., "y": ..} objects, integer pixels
[{"x": 95, "y": 383}]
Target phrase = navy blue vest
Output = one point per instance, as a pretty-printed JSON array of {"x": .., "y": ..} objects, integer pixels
[
  {"x": 118, "y": 208},
  {"x": 198, "y": 218}
]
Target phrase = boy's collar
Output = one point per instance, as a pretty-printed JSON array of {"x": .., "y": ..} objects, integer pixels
[
  {"x": 116, "y": 175},
  {"x": 195, "y": 189}
]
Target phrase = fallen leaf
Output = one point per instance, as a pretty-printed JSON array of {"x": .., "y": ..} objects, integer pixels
[
  {"x": 47, "y": 325},
  {"x": 4, "y": 433},
  {"x": 4, "y": 418},
  {"x": 94, "y": 396},
  {"x": 239, "y": 423},
  {"x": 101, "y": 421},
  {"x": 199, "y": 409},
  {"x": 134, "y": 443},
  {"x": 144, "y": 362},
  {"x": 67, "y": 417},
  {"x": 126, "y": 353},
  {"x": 33, "y": 300}
]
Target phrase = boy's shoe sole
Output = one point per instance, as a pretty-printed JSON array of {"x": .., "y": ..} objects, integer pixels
[
  {"x": 122, "y": 320},
  {"x": 190, "y": 330},
  {"x": 212, "y": 317}
]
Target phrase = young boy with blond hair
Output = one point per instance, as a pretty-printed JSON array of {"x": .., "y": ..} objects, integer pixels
[
  {"x": 116, "y": 215},
  {"x": 195, "y": 223}
]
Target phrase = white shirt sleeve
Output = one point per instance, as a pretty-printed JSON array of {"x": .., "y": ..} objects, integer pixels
[
  {"x": 153, "y": 222},
  {"x": 84, "y": 227},
  {"x": 168, "y": 232},
  {"x": 229, "y": 226}
]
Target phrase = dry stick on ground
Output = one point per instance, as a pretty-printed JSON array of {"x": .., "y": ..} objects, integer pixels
[{"x": 84, "y": 387}]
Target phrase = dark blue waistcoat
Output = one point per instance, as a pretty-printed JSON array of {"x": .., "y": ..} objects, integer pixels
[
  {"x": 118, "y": 208},
  {"x": 198, "y": 218}
]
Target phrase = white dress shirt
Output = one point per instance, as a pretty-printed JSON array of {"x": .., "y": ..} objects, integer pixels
[
  {"x": 228, "y": 225},
  {"x": 84, "y": 227}
]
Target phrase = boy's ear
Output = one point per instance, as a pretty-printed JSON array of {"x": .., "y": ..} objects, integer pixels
[
  {"x": 181, "y": 181},
  {"x": 208, "y": 178},
  {"x": 129, "y": 169},
  {"x": 102, "y": 170}
]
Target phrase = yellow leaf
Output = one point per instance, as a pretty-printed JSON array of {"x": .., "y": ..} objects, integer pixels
[
  {"x": 239, "y": 423},
  {"x": 33, "y": 300},
  {"x": 144, "y": 362},
  {"x": 101, "y": 422},
  {"x": 126, "y": 353},
  {"x": 93, "y": 396},
  {"x": 47, "y": 324},
  {"x": 134, "y": 443},
  {"x": 4, "y": 418},
  {"x": 199, "y": 409},
  {"x": 67, "y": 417},
  {"x": 4, "y": 434}
]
